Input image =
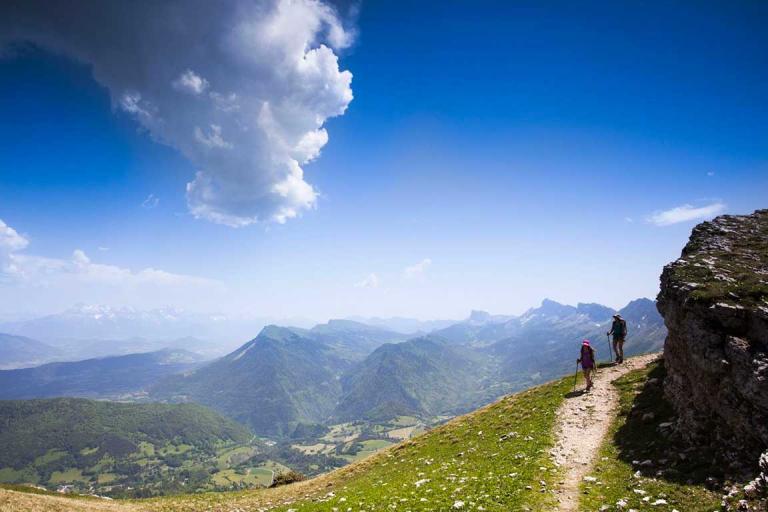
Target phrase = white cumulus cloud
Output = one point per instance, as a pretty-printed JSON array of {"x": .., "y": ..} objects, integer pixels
[
  {"x": 241, "y": 88},
  {"x": 191, "y": 82},
  {"x": 417, "y": 270},
  {"x": 10, "y": 239},
  {"x": 685, "y": 213}
]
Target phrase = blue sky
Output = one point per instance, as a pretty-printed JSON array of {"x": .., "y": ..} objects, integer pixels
[{"x": 493, "y": 155}]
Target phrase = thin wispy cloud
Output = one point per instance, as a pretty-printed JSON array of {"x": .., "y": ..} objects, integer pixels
[
  {"x": 18, "y": 268},
  {"x": 150, "y": 202},
  {"x": 370, "y": 281},
  {"x": 417, "y": 270},
  {"x": 685, "y": 213},
  {"x": 241, "y": 89}
]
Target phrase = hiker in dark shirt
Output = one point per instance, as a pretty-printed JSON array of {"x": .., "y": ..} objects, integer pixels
[{"x": 619, "y": 331}]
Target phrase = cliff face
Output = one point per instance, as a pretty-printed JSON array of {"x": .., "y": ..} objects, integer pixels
[{"x": 714, "y": 301}]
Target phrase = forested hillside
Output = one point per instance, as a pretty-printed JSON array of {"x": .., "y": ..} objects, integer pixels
[{"x": 110, "y": 445}]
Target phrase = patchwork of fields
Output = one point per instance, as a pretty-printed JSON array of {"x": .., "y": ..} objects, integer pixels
[
  {"x": 158, "y": 469},
  {"x": 174, "y": 468}
]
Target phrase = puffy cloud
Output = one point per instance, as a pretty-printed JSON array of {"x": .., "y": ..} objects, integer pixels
[
  {"x": 418, "y": 269},
  {"x": 685, "y": 213},
  {"x": 242, "y": 88},
  {"x": 370, "y": 281},
  {"x": 191, "y": 82},
  {"x": 10, "y": 239},
  {"x": 10, "y": 243}
]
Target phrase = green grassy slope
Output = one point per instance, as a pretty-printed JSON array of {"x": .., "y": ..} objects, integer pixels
[{"x": 494, "y": 459}]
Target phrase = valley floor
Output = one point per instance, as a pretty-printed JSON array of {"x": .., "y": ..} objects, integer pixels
[{"x": 547, "y": 448}]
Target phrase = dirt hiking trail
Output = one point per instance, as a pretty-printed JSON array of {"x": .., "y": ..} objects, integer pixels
[{"x": 582, "y": 422}]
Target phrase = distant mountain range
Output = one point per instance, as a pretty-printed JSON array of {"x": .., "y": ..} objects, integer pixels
[
  {"x": 74, "y": 329},
  {"x": 544, "y": 342},
  {"x": 20, "y": 351},
  {"x": 346, "y": 370},
  {"x": 404, "y": 325},
  {"x": 282, "y": 378},
  {"x": 75, "y": 349},
  {"x": 109, "y": 377},
  {"x": 422, "y": 377},
  {"x": 289, "y": 377},
  {"x": 353, "y": 340}
]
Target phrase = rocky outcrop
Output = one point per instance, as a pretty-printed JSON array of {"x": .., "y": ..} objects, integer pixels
[{"x": 714, "y": 301}]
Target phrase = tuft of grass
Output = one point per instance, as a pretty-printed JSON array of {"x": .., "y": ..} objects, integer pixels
[{"x": 641, "y": 463}]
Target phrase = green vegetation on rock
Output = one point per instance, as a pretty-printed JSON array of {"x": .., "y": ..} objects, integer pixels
[{"x": 722, "y": 260}]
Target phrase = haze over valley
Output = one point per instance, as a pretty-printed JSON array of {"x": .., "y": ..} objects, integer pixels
[{"x": 316, "y": 398}]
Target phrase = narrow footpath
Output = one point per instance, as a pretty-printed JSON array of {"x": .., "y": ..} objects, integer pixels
[{"x": 582, "y": 422}]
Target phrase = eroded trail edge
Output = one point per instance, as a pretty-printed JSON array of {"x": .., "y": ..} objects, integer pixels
[{"x": 582, "y": 422}]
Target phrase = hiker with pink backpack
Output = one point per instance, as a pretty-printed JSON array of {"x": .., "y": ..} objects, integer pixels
[{"x": 588, "y": 362}]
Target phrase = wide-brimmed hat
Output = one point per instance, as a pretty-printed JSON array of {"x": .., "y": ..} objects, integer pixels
[{"x": 617, "y": 315}]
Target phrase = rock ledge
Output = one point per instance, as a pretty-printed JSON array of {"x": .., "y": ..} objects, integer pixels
[{"x": 714, "y": 301}]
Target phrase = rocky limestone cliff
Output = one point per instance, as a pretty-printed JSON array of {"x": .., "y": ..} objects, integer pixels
[{"x": 714, "y": 301}]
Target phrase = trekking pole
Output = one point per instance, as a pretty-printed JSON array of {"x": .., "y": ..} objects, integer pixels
[
  {"x": 610, "y": 352},
  {"x": 576, "y": 376}
]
